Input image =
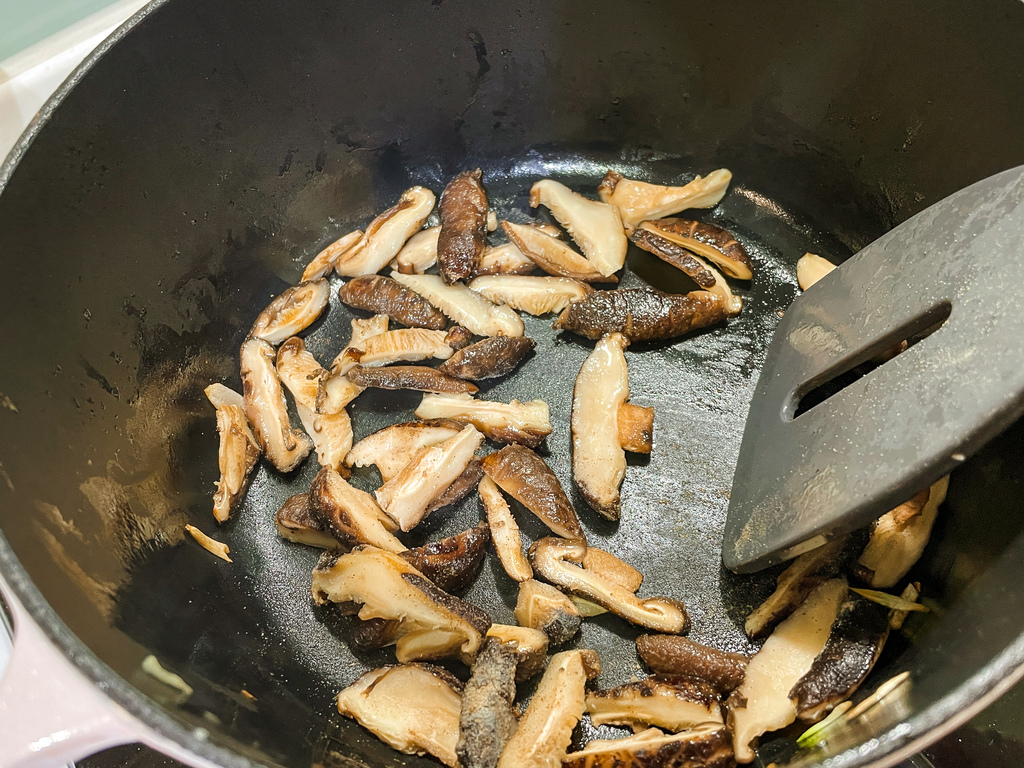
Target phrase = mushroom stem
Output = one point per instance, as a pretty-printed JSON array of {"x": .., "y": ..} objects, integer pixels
[{"x": 636, "y": 428}]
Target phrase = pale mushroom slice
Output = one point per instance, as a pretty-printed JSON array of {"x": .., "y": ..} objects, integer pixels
[
  {"x": 210, "y": 544},
  {"x": 452, "y": 562},
  {"x": 413, "y": 708},
  {"x": 392, "y": 448},
  {"x": 324, "y": 262},
  {"x": 504, "y": 259},
  {"x": 714, "y": 243},
  {"x": 530, "y": 645},
  {"x": 238, "y": 451},
  {"x": 488, "y": 718},
  {"x": 351, "y": 514},
  {"x": 810, "y": 268},
  {"x": 432, "y": 624},
  {"x": 407, "y": 495},
  {"x": 672, "y": 703},
  {"x": 638, "y": 201},
  {"x": 601, "y": 418},
  {"x": 613, "y": 569},
  {"x": 545, "y": 730},
  {"x": 898, "y": 538},
  {"x": 560, "y": 562},
  {"x": 513, "y": 422},
  {"x": 552, "y": 255},
  {"x": 419, "y": 254},
  {"x": 762, "y": 702},
  {"x": 732, "y": 303},
  {"x": 336, "y": 391},
  {"x": 504, "y": 532},
  {"x": 387, "y": 233},
  {"x": 680, "y": 656},
  {"x": 542, "y": 607},
  {"x": 292, "y": 311},
  {"x": 404, "y": 345},
  {"x": 296, "y": 522},
  {"x": 266, "y": 409},
  {"x": 706, "y": 746},
  {"x": 532, "y": 294},
  {"x": 467, "y": 308},
  {"x": 596, "y": 227},
  {"x": 302, "y": 374}
]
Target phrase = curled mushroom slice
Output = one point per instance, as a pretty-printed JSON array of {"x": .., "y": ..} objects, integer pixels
[
  {"x": 674, "y": 655},
  {"x": 613, "y": 569},
  {"x": 387, "y": 233},
  {"x": 713, "y": 243},
  {"x": 542, "y": 607},
  {"x": 552, "y": 255},
  {"x": 418, "y": 377},
  {"x": 545, "y": 729},
  {"x": 514, "y": 422},
  {"x": 504, "y": 259},
  {"x": 413, "y": 708},
  {"x": 488, "y": 358},
  {"x": 559, "y": 562},
  {"x": 407, "y": 496},
  {"x": 384, "y": 296},
  {"x": 638, "y": 200},
  {"x": 596, "y": 227},
  {"x": 525, "y": 476},
  {"x": 324, "y": 262},
  {"x": 432, "y": 623},
  {"x": 266, "y": 409},
  {"x": 673, "y": 254},
  {"x": 238, "y": 451},
  {"x": 418, "y": 254},
  {"x": 292, "y": 311},
  {"x": 704, "y": 747},
  {"x": 504, "y": 532},
  {"x": 467, "y": 308},
  {"x": 336, "y": 391},
  {"x": 811, "y": 268},
  {"x": 642, "y": 314},
  {"x": 404, "y": 345},
  {"x": 531, "y": 294},
  {"x": 463, "y": 211},
  {"x": 296, "y": 522},
  {"x": 391, "y": 448},
  {"x": 672, "y": 703},
  {"x": 451, "y": 563},
  {"x": 762, "y": 702},
  {"x": 488, "y": 719},
  {"x": 530, "y": 646},
  {"x": 351, "y": 514},
  {"x": 733, "y": 304}
]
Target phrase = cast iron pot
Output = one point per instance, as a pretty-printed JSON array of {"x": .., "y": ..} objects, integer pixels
[{"x": 191, "y": 167}]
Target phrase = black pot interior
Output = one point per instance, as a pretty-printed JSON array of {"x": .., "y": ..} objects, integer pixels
[{"x": 207, "y": 156}]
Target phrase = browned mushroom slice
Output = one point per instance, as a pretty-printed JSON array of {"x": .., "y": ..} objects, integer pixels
[
  {"x": 292, "y": 311},
  {"x": 418, "y": 254},
  {"x": 505, "y": 259},
  {"x": 524, "y": 476},
  {"x": 541, "y": 606},
  {"x": 596, "y": 227},
  {"x": 417, "y": 377},
  {"x": 451, "y": 563},
  {"x": 552, "y": 255},
  {"x": 238, "y": 451},
  {"x": 266, "y": 409},
  {"x": 324, "y": 262},
  {"x": 387, "y": 233},
  {"x": 853, "y": 646},
  {"x": 638, "y": 200},
  {"x": 407, "y": 496},
  {"x": 531, "y": 294},
  {"x": 458, "y": 337},
  {"x": 714, "y": 243},
  {"x": 463, "y": 485},
  {"x": 488, "y": 718},
  {"x": 898, "y": 538},
  {"x": 296, "y": 522},
  {"x": 467, "y": 308},
  {"x": 351, "y": 514},
  {"x": 413, "y": 708},
  {"x": 408, "y": 345},
  {"x": 382, "y": 295},
  {"x": 530, "y": 646},
  {"x": 762, "y": 702},
  {"x": 488, "y": 358},
  {"x": 810, "y": 268},
  {"x": 673, "y": 254},
  {"x": 336, "y": 391},
  {"x": 391, "y": 448},
  {"x": 432, "y": 623},
  {"x": 674, "y": 655},
  {"x": 733, "y": 304},
  {"x": 636, "y": 428},
  {"x": 560, "y": 562},
  {"x": 642, "y": 314},
  {"x": 706, "y": 747},
  {"x": 463, "y": 212},
  {"x": 514, "y": 422},
  {"x": 504, "y": 532},
  {"x": 302, "y": 374},
  {"x": 371, "y": 634},
  {"x": 673, "y": 703}
]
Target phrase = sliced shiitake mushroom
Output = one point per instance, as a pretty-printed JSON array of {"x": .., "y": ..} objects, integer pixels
[
  {"x": 540, "y": 606},
  {"x": 463, "y": 212},
  {"x": 638, "y": 200},
  {"x": 488, "y": 719},
  {"x": 514, "y": 422},
  {"x": 532, "y": 294},
  {"x": 292, "y": 311},
  {"x": 452, "y": 562},
  {"x": 671, "y": 253},
  {"x": 238, "y": 451},
  {"x": 266, "y": 409},
  {"x": 705, "y": 747},
  {"x": 387, "y": 233},
  {"x": 613, "y": 569},
  {"x": 504, "y": 532},
  {"x": 675, "y": 655},
  {"x": 488, "y": 358},
  {"x": 467, "y": 308},
  {"x": 392, "y": 448},
  {"x": 324, "y": 262},
  {"x": 404, "y": 345},
  {"x": 810, "y": 268},
  {"x": 417, "y": 377},
  {"x": 418, "y": 254},
  {"x": 336, "y": 391},
  {"x": 296, "y": 522},
  {"x": 464, "y": 484},
  {"x": 505, "y": 259},
  {"x": 596, "y": 227},
  {"x": 672, "y": 703},
  {"x": 530, "y": 646},
  {"x": 714, "y": 243},
  {"x": 552, "y": 255},
  {"x": 414, "y": 708},
  {"x": 351, "y": 514},
  {"x": 385, "y": 296}
]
